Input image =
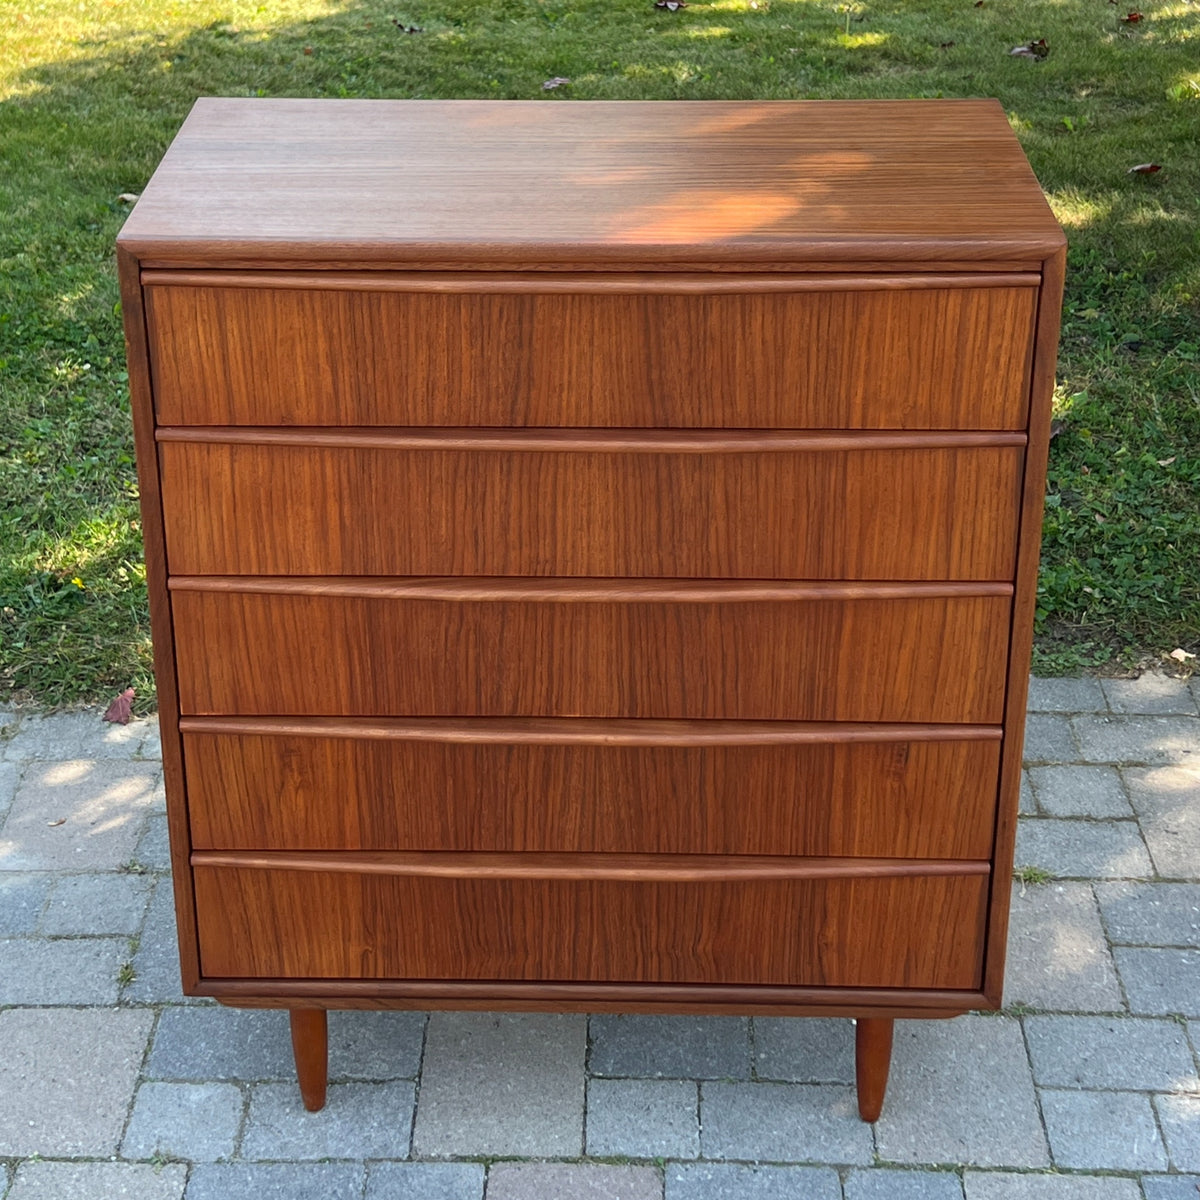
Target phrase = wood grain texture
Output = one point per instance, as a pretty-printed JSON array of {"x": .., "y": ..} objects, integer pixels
[
  {"x": 652, "y": 183},
  {"x": 929, "y": 358},
  {"x": 478, "y": 508},
  {"x": 911, "y": 799},
  {"x": 869, "y": 932},
  {"x": 932, "y": 658},
  {"x": 1024, "y": 608}
]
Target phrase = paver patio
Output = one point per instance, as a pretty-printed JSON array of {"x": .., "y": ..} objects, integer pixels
[{"x": 1087, "y": 1087}]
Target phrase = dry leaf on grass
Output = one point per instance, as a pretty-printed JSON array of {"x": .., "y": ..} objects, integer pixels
[
  {"x": 121, "y": 709},
  {"x": 556, "y": 82}
]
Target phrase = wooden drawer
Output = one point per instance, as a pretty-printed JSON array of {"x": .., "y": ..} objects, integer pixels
[
  {"x": 371, "y": 349},
  {"x": 593, "y": 648},
  {"x": 562, "y": 502},
  {"x": 592, "y": 786},
  {"x": 666, "y": 921}
]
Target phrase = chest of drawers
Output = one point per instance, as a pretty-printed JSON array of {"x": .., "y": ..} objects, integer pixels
[{"x": 592, "y": 551}]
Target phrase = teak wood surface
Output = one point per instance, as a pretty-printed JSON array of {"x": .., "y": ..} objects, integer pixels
[{"x": 659, "y": 569}]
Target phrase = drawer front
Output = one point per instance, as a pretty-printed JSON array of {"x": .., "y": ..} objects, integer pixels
[
  {"x": 569, "y": 786},
  {"x": 693, "y": 505},
  {"x": 921, "y": 932},
  {"x": 497, "y": 648},
  {"x": 922, "y": 358}
]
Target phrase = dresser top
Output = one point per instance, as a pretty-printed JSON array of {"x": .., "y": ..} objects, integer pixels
[{"x": 577, "y": 184}]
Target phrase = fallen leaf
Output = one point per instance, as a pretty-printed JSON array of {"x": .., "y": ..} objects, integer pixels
[
  {"x": 1132, "y": 17},
  {"x": 670, "y": 5},
  {"x": 1145, "y": 169},
  {"x": 946, "y": 45},
  {"x": 1099, "y": 519},
  {"x": 978, "y": 3},
  {"x": 121, "y": 709},
  {"x": 128, "y": 198},
  {"x": 1037, "y": 49},
  {"x": 1180, "y": 655},
  {"x": 1166, "y": 462},
  {"x": 407, "y": 28},
  {"x": 1056, "y": 427},
  {"x": 1085, "y": 470},
  {"x": 308, "y": 50},
  {"x": 556, "y": 82},
  {"x": 55, "y": 824}
]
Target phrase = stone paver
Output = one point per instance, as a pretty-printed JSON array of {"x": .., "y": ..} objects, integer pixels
[
  {"x": 9, "y": 774},
  {"x": 109, "y": 903},
  {"x": 732, "y": 1181},
  {"x": 1160, "y": 982},
  {"x": 1180, "y": 1120},
  {"x": 804, "y": 1049},
  {"x": 1057, "y": 955},
  {"x": 1074, "y": 791},
  {"x": 1083, "y": 849},
  {"x": 502, "y": 1084},
  {"x": 153, "y": 850},
  {"x": 1150, "y": 740},
  {"x": 589, "y": 1181},
  {"x": 670, "y": 1047},
  {"x": 372, "y": 1045},
  {"x": 1167, "y": 802},
  {"x": 960, "y": 1092},
  {"x": 194, "y": 1121},
  {"x": 1171, "y": 1187},
  {"x": 359, "y": 1120},
  {"x": 1003, "y": 1185},
  {"x": 782, "y": 1122},
  {"x": 80, "y": 734},
  {"x": 1152, "y": 693},
  {"x": 222, "y": 1043},
  {"x": 22, "y": 898},
  {"x": 1066, "y": 695},
  {"x": 67, "y": 971},
  {"x": 1107, "y": 1130},
  {"x": 156, "y": 963},
  {"x": 98, "y": 1181},
  {"x": 66, "y": 1079},
  {"x": 1049, "y": 738},
  {"x": 1027, "y": 804},
  {"x": 643, "y": 1118},
  {"x": 277, "y": 1181},
  {"x": 83, "y": 815},
  {"x": 1133, "y": 1053},
  {"x": 1151, "y": 914},
  {"x": 424, "y": 1181},
  {"x": 885, "y": 1184}
]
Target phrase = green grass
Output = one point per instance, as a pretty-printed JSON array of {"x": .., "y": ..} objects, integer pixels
[{"x": 92, "y": 90}]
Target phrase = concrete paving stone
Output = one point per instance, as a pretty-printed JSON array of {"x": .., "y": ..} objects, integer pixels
[
  {"x": 643, "y": 1118},
  {"x": 424, "y": 1181},
  {"x": 373, "y": 1045},
  {"x": 1171, "y": 1187},
  {"x": 1027, "y": 804},
  {"x": 359, "y": 1120},
  {"x": 98, "y": 1181},
  {"x": 55, "y": 737},
  {"x": 804, "y": 1049},
  {"x": 884, "y": 1184},
  {"x": 66, "y": 1079},
  {"x": 572, "y": 1181},
  {"x": 1083, "y": 849},
  {"x": 1167, "y": 802},
  {"x": 156, "y": 963},
  {"x": 1073, "y": 791},
  {"x": 783, "y": 1122},
  {"x": 1125, "y": 1053},
  {"x": 1102, "y": 1131},
  {"x": 1049, "y": 738},
  {"x": 1057, "y": 955},
  {"x": 197, "y": 1122},
  {"x": 1065, "y": 695},
  {"x": 10, "y": 774},
  {"x": 108, "y": 903},
  {"x": 276, "y": 1181},
  {"x": 222, "y": 1043},
  {"x": 730, "y": 1181},
  {"x": 502, "y": 1084},
  {"x": 151, "y": 747},
  {"x": 961, "y": 1092},
  {"x": 1151, "y": 914},
  {"x": 1151, "y": 694},
  {"x": 71, "y": 971},
  {"x": 1150, "y": 740},
  {"x": 1004, "y": 1185},
  {"x": 83, "y": 815},
  {"x": 1180, "y": 1120},
  {"x": 22, "y": 898},
  {"x": 1160, "y": 982},
  {"x": 154, "y": 848},
  {"x": 670, "y": 1047}
]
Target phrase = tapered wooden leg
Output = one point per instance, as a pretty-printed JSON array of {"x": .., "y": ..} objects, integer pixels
[
  {"x": 310, "y": 1045},
  {"x": 872, "y": 1060}
]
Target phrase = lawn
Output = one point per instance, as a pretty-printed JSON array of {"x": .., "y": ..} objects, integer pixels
[{"x": 92, "y": 90}]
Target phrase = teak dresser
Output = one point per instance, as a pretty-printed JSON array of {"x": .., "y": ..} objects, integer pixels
[{"x": 592, "y": 551}]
